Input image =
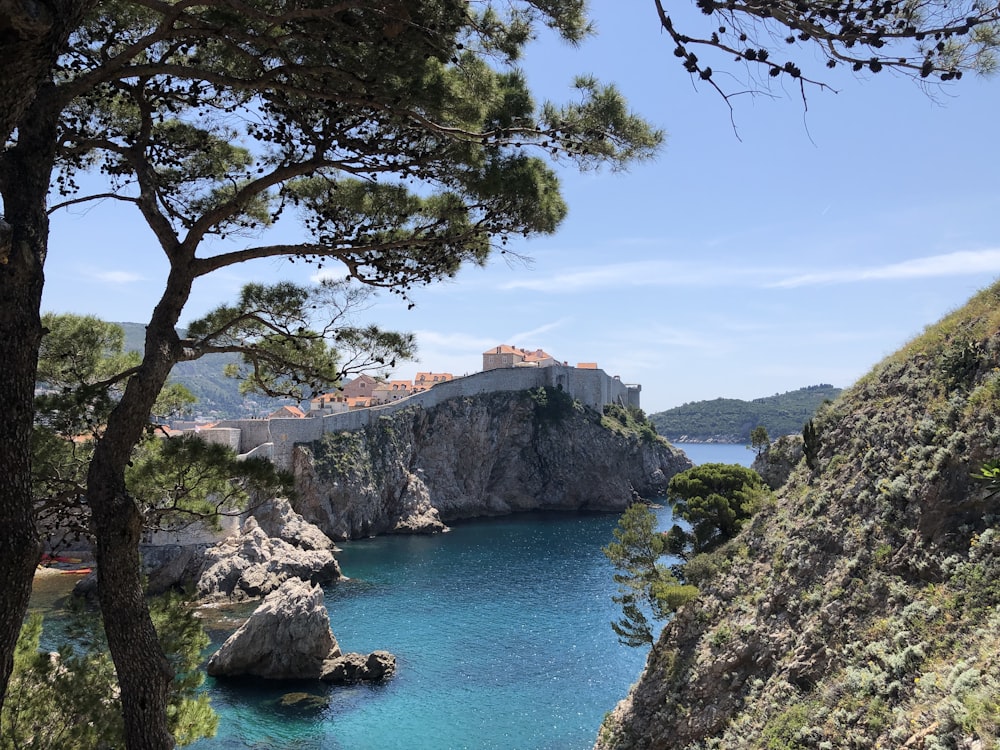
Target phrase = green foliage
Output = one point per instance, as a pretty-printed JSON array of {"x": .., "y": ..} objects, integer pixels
[
  {"x": 810, "y": 444},
  {"x": 68, "y": 700},
  {"x": 402, "y": 136},
  {"x": 82, "y": 370},
  {"x": 759, "y": 439},
  {"x": 83, "y": 367},
  {"x": 989, "y": 474},
  {"x": 552, "y": 405},
  {"x": 337, "y": 453},
  {"x": 175, "y": 481},
  {"x": 58, "y": 702},
  {"x": 645, "y": 587},
  {"x": 628, "y": 420},
  {"x": 189, "y": 714},
  {"x": 182, "y": 479},
  {"x": 734, "y": 420},
  {"x": 715, "y": 499},
  {"x": 285, "y": 346},
  {"x": 960, "y": 360}
]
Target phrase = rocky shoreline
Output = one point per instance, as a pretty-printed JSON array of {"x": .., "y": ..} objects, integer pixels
[{"x": 409, "y": 473}]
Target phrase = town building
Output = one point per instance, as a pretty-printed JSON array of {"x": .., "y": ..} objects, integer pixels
[{"x": 511, "y": 356}]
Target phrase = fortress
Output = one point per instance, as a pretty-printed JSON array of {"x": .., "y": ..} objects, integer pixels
[{"x": 274, "y": 438}]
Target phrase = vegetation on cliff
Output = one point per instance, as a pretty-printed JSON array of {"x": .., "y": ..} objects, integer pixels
[
  {"x": 629, "y": 420},
  {"x": 860, "y": 608},
  {"x": 731, "y": 420},
  {"x": 714, "y": 501}
]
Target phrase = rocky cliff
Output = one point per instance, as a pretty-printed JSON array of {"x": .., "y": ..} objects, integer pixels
[
  {"x": 487, "y": 455},
  {"x": 860, "y": 609}
]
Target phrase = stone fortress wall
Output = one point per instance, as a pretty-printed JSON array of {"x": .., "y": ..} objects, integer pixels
[{"x": 275, "y": 438}]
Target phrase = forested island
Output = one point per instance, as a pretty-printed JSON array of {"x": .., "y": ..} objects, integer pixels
[{"x": 730, "y": 420}]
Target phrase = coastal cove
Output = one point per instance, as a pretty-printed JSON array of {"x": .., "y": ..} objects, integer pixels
[
  {"x": 501, "y": 629},
  {"x": 502, "y": 632}
]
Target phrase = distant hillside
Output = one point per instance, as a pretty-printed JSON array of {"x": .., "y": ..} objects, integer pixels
[
  {"x": 730, "y": 420},
  {"x": 218, "y": 396}
]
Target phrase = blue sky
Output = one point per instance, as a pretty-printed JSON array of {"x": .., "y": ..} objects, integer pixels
[{"x": 800, "y": 246}]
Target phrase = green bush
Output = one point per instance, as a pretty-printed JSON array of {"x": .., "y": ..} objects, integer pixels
[
  {"x": 552, "y": 405},
  {"x": 70, "y": 700}
]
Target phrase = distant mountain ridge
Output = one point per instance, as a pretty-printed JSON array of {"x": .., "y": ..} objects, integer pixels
[
  {"x": 218, "y": 396},
  {"x": 730, "y": 420}
]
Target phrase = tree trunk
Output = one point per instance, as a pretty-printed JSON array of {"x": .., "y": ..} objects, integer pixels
[
  {"x": 144, "y": 674},
  {"x": 24, "y": 184},
  {"x": 32, "y": 35}
]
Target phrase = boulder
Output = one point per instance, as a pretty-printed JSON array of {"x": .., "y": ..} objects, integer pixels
[
  {"x": 251, "y": 564},
  {"x": 350, "y": 668},
  {"x": 278, "y": 518},
  {"x": 287, "y": 637},
  {"x": 171, "y": 566}
]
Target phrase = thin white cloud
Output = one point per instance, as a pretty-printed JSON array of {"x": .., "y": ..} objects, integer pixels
[
  {"x": 452, "y": 342},
  {"x": 667, "y": 273},
  {"x": 638, "y": 273},
  {"x": 116, "y": 277},
  {"x": 962, "y": 263},
  {"x": 538, "y": 331}
]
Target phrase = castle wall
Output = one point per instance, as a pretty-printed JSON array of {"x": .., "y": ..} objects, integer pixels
[
  {"x": 227, "y": 436},
  {"x": 593, "y": 388},
  {"x": 253, "y": 432}
]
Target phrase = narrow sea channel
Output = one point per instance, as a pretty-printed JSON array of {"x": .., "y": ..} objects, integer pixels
[{"x": 502, "y": 635}]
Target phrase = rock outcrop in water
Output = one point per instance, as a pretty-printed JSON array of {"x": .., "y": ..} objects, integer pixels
[
  {"x": 288, "y": 637},
  {"x": 480, "y": 456},
  {"x": 860, "y": 609},
  {"x": 252, "y": 564}
]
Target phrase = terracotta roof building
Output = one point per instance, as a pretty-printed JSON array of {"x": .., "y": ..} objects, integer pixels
[
  {"x": 510, "y": 356},
  {"x": 425, "y": 380}
]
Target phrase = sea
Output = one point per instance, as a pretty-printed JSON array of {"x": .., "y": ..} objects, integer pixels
[
  {"x": 502, "y": 633},
  {"x": 501, "y": 630},
  {"x": 718, "y": 453}
]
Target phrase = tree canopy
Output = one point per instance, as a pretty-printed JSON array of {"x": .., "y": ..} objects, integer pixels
[
  {"x": 68, "y": 699},
  {"x": 175, "y": 481},
  {"x": 715, "y": 500},
  {"x": 773, "y": 39},
  {"x": 397, "y": 140},
  {"x": 646, "y": 587}
]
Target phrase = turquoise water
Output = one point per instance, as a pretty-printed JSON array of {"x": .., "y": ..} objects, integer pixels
[
  {"x": 502, "y": 637},
  {"x": 717, "y": 453}
]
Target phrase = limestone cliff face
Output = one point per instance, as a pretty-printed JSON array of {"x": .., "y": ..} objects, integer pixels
[
  {"x": 480, "y": 456},
  {"x": 860, "y": 609}
]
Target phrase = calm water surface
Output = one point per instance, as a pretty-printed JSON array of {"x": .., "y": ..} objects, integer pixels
[
  {"x": 717, "y": 453},
  {"x": 502, "y": 636}
]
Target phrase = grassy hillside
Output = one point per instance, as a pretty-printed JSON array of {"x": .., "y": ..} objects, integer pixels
[
  {"x": 860, "y": 608},
  {"x": 730, "y": 420},
  {"x": 218, "y": 396}
]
